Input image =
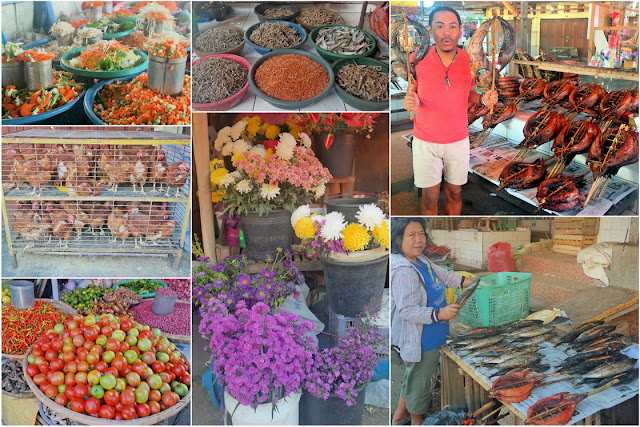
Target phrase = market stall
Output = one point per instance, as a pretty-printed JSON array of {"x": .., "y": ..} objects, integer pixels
[
  {"x": 56, "y": 200},
  {"x": 126, "y": 67},
  {"x": 115, "y": 363},
  {"x": 562, "y": 139},
  {"x": 541, "y": 322},
  {"x": 292, "y": 56}
]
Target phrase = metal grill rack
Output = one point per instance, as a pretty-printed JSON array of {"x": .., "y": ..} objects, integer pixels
[{"x": 60, "y": 194}]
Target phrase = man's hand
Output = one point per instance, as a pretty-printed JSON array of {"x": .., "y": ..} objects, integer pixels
[
  {"x": 449, "y": 312},
  {"x": 490, "y": 98},
  {"x": 411, "y": 100}
]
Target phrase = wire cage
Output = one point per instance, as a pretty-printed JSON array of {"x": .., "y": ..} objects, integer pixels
[{"x": 92, "y": 193}]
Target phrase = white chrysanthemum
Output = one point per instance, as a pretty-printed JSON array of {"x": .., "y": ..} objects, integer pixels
[
  {"x": 221, "y": 140},
  {"x": 320, "y": 189},
  {"x": 259, "y": 150},
  {"x": 306, "y": 141},
  {"x": 268, "y": 191},
  {"x": 333, "y": 226},
  {"x": 285, "y": 146},
  {"x": 225, "y": 131},
  {"x": 240, "y": 146},
  {"x": 237, "y": 129},
  {"x": 302, "y": 212},
  {"x": 227, "y": 149},
  {"x": 229, "y": 178},
  {"x": 244, "y": 186},
  {"x": 369, "y": 216}
]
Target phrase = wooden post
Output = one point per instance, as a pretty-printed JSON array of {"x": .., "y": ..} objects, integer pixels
[
  {"x": 592, "y": 44},
  {"x": 363, "y": 13},
  {"x": 201, "y": 161},
  {"x": 524, "y": 41}
]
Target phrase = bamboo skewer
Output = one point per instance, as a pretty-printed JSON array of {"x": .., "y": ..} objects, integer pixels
[
  {"x": 604, "y": 187},
  {"x": 492, "y": 412},
  {"x": 407, "y": 49},
  {"x": 484, "y": 408},
  {"x": 524, "y": 152},
  {"x": 560, "y": 165},
  {"x": 493, "y": 59},
  {"x": 506, "y": 183},
  {"x": 593, "y": 192},
  {"x": 542, "y": 202}
]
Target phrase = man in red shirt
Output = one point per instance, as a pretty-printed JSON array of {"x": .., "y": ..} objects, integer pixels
[{"x": 443, "y": 88}]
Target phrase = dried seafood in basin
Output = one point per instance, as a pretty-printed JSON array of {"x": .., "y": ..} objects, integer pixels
[
  {"x": 366, "y": 82},
  {"x": 218, "y": 39},
  {"x": 343, "y": 40},
  {"x": 216, "y": 79},
  {"x": 275, "y": 35},
  {"x": 291, "y": 77},
  {"x": 313, "y": 18}
]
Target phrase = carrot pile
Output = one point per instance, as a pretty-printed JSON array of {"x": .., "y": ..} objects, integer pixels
[
  {"x": 163, "y": 45},
  {"x": 106, "y": 55},
  {"x": 11, "y": 52},
  {"x": 21, "y": 328},
  {"x": 122, "y": 13},
  {"x": 23, "y": 102},
  {"x": 80, "y": 22},
  {"x": 131, "y": 102},
  {"x": 170, "y": 5}
]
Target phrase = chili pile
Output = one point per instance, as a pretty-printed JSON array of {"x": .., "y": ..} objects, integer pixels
[
  {"x": 21, "y": 328},
  {"x": 291, "y": 77}
]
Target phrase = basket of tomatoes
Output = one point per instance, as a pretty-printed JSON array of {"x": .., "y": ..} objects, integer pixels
[{"x": 108, "y": 370}]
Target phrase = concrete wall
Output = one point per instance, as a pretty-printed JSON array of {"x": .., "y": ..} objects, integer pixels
[
  {"x": 616, "y": 229},
  {"x": 623, "y": 271},
  {"x": 543, "y": 225},
  {"x": 17, "y": 18}
]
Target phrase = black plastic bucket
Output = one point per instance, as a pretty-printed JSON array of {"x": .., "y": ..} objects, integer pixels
[
  {"x": 333, "y": 411},
  {"x": 339, "y": 157},
  {"x": 352, "y": 285},
  {"x": 263, "y": 235},
  {"x": 349, "y": 205}
]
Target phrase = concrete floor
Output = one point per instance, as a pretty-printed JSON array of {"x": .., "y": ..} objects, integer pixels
[{"x": 42, "y": 265}]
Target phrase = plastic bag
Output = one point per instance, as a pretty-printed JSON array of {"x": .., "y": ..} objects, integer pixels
[
  {"x": 377, "y": 394},
  {"x": 500, "y": 258},
  {"x": 595, "y": 259}
]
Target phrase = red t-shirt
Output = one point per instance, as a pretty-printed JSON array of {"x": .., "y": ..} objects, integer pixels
[{"x": 442, "y": 115}]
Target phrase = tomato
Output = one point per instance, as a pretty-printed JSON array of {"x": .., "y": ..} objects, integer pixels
[
  {"x": 131, "y": 356},
  {"x": 101, "y": 366},
  {"x": 170, "y": 398},
  {"x": 92, "y": 333},
  {"x": 120, "y": 363},
  {"x": 92, "y": 405},
  {"x": 163, "y": 357},
  {"x": 175, "y": 357},
  {"x": 88, "y": 345},
  {"x": 104, "y": 321},
  {"x": 121, "y": 384},
  {"x": 111, "y": 397},
  {"x": 164, "y": 388},
  {"x": 57, "y": 364},
  {"x": 143, "y": 410},
  {"x": 61, "y": 399},
  {"x": 158, "y": 366},
  {"x": 56, "y": 378},
  {"x": 142, "y": 395},
  {"x": 139, "y": 368},
  {"x": 44, "y": 367},
  {"x": 70, "y": 392},
  {"x": 96, "y": 349},
  {"x": 108, "y": 381},
  {"x": 144, "y": 344},
  {"x": 128, "y": 397},
  {"x": 93, "y": 377},
  {"x": 148, "y": 358},
  {"x": 81, "y": 377},
  {"x": 79, "y": 340},
  {"x": 101, "y": 340},
  {"x": 128, "y": 412},
  {"x": 106, "y": 331},
  {"x": 56, "y": 344},
  {"x": 155, "y": 382},
  {"x": 92, "y": 358},
  {"x": 165, "y": 377},
  {"x": 119, "y": 335},
  {"x": 133, "y": 379},
  {"x": 131, "y": 340},
  {"x": 97, "y": 391},
  {"x": 81, "y": 354},
  {"x": 181, "y": 390},
  {"x": 124, "y": 347},
  {"x": 80, "y": 390},
  {"x": 106, "y": 411},
  {"x": 154, "y": 406},
  {"x": 83, "y": 366},
  {"x": 77, "y": 404},
  {"x": 75, "y": 332},
  {"x": 51, "y": 391},
  {"x": 32, "y": 370},
  {"x": 70, "y": 379},
  {"x": 155, "y": 395},
  {"x": 68, "y": 356},
  {"x": 39, "y": 379}
]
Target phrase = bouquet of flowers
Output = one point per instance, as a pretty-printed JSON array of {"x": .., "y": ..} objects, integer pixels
[
  {"x": 267, "y": 179},
  {"x": 349, "y": 365},
  {"x": 259, "y": 357},
  {"x": 335, "y": 123},
  {"x": 229, "y": 283},
  {"x": 325, "y": 235}
]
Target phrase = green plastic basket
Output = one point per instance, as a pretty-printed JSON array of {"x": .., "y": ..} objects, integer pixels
[{"x": 505, "y": 301}]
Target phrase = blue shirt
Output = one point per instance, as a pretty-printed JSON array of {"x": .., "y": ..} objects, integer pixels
[{"x": 434, "y": 335}]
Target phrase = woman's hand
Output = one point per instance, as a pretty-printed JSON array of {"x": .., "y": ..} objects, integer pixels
[
  {"x": 449, "y": 312},
  {"x": 411, "y": 101}
]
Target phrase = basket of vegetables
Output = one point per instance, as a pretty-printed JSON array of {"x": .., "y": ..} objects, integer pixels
[
  {"x": 107, "y": 59},
  {"x": 152, "y": 380},
  {"x": 146, "y": 288},
  {"x": 113, "y": 28}
]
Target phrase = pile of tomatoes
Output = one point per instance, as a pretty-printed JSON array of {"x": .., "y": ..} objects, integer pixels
[{"x": 109, "y": 367}]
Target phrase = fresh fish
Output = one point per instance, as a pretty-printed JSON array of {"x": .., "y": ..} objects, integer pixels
[
  {"x": 491, "y": 351},
  {"x": 611, "y": 368},
  {"x": 571, "y": 336},
  {"x": 484, "y": 342},
  {"x": 585, "y": 366},
  {"x": 534, "y": 340},
  {"x": 530, "y": 332},
  {"x": 594, "y": 333},
  {"x": 466, "y": 294}
]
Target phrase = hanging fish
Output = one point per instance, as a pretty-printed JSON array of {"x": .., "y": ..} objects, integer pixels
[{"x": 466, "y": 294}]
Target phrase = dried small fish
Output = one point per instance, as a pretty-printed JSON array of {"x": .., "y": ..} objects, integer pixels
[
  {"x": 367, "y": 82},
  {"x": 218, "y": 39},
  {"x": 277, "y": 12},
  {"x": 611, "y": 369},
  {"x": 313, "y": 18},
  {"x": 216, "y": 79},
  {"x": 275, "y": 35},
  {"x": 343, "y": 40}
]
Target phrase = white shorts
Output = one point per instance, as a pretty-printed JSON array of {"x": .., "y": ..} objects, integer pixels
[{"x": 429, "y": 161}]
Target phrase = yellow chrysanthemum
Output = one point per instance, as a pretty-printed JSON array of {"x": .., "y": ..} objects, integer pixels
[
  {"x": 294, "y": 130},
  {"x": 263, "y": 127},
  {"x": 304, "y": 228},
  {"x": 236, "y": 157},
  {"x": 217, "y": 175},
  {"x": 269, "y": 154},
  {"x": 216, "y": 196},
  {"x": 272, "y": 132},
  {"x": 356, "y": 237},
  {"x": 214, "y": 164},
  {"x": 246, "y": 119},
  {"x": 382, "y": 235}
]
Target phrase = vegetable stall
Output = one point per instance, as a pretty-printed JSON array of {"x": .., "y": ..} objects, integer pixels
[{"x": 130, "y": 68}]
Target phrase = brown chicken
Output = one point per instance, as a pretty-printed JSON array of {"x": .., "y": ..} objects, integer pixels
[
  {"x": 163, "y": 231},
  {"x": 36, "y": 172},
  {"x": 176, "y": 176},
  {"x": 118, "y": 223},
  {"x": 81, "y": 218},
  {"x": 61, "y": 223},
  {"x": 158, "y": 169},
  {"x": 139, "y": 222},
  {"x": 117, "y": 163},
  {"x": 65, "y": 162},
  {"x": 138, "y": 174},
  {"x": 30, "y": 223},
  {"x": 97, "y": 213},
  {"x": 78, "y": 185}
]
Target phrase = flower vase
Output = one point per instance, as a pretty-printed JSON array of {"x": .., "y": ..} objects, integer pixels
[
  {"x": 333, "y": 411},
  {"x": 339, "y": 157},
  {"x": 263, "y": 235},
  {"x": 287, "y": 412},
  {"x": 354, "y": 279}
]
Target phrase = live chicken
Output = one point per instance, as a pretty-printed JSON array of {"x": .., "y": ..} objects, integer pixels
[
  {"x": 118, "y": 223},
  {"x": 176, "y": 176},
  {"x": 158, "y": 169}
]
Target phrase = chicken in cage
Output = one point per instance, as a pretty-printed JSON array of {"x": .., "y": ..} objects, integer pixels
[{"x": 83, "y": 170}]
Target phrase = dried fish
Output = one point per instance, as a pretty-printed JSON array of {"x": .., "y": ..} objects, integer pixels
[
  {"x": 485, "y": 342},
  {"x": 312, "y": 18},
  {"x": 216, "y": 79},
  {"x": 534, "y": 340},
  {"x": 532, "y": 331},
  {"x": 343, "y": 40},
  {"x": 367, "y": 82},
  {"x": 593, "y": 334},
  {"x": 275, "y": 35},
  {"x": 277, "y": 12},
  {"x": 218, "y": 39},
  {"x": 466, "y": 294},
  {"x": 611, "y": 369}
]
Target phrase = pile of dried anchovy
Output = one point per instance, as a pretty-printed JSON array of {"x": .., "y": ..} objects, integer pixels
[
  {"x": 216, "y": 79},
  {"x": 343, "y": 40},
  {"x": 313, "y": 18},
  {"x": 367, "y": 82},
  {"x": 275, "y": 35},
  {"x": 218, "y": 39},
  {"x": 291, "y": 77},
  {"x": 277, "y": 12},
  {"x": 13, "y": 379}
]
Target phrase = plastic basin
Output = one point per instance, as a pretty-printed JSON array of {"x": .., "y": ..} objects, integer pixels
[
  {"x": 149, "y": 295},
  {"x": 233, "y": 51},
  {"x": 291, "y": 105},
  {"x": 43, "y": 116},
  {"x": 263, "y": 50},
  {"x": 330, "y": 56},
  {"x": 140, "y": 66},
  {"x": 262, "y": 7},
  {"x": 354, "y": 101},
  {"x": 234, "y": 99}
]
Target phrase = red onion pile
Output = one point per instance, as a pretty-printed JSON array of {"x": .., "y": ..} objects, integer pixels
[
  {"x": 181, "y": 286},
  {"x": 177, "y": 322},
  {"x": 167, "y": 292}
]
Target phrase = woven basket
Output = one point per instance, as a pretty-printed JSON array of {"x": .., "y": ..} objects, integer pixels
[
  {"x": 86, "y": 419},
  {"x": 65, "y": 308}
]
